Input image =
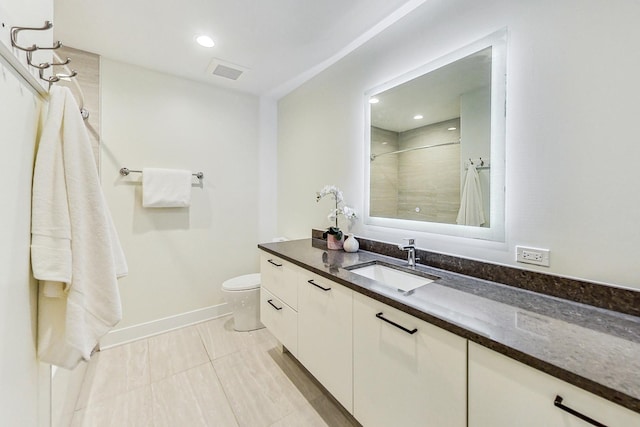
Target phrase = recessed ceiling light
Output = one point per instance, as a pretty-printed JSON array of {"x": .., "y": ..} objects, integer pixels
[
  {"x": 205, "y": 41},
  {"x": 385, "y": 143},
  {"x": 452, "y": 128},
  {"x": 373, "y": 100},
  {"x": 418, "y": 117}
]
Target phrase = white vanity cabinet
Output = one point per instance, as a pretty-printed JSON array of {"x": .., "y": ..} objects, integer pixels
[
  {"x": 325, "y": 334},
  {"x": 406, "y": 373},
  {"x": 505, "y": 393},
  {"x": 279, "y": 300},
  {"x": 280, "y": 277}
]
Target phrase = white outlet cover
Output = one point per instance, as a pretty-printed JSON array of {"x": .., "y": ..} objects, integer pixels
[{"x": 535, "y": 256}]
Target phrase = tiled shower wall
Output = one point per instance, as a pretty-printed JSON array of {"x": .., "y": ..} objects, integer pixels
[
  {"x": 429, "y": 179},
  {"x": 384, "y": 174},
  {"x": 421, "y": 185}
]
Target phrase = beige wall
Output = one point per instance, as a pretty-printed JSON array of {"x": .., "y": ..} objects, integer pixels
[
  {"x": 178, "y": 258},
  {"x": 570, "y": 171},
  {"x": 24, "y": 394}
]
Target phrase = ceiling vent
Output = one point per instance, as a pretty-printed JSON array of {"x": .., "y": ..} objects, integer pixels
[{"x": 225, "y": 69}]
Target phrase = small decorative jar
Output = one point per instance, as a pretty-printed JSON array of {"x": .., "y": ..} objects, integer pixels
[{"x": 351, "y": 244}]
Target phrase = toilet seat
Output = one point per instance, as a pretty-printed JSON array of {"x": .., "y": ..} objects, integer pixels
[{"x": 242, "y": 283}]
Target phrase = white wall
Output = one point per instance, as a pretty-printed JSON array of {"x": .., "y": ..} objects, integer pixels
[
  {"x": 475, "y": 137},
  {"x": 178, "y": 258},
  {"x": 571, "y": 148},
  {"x": 24, "y": 395},
  {"x": 18, "y": 365},
  {"x": 268, "y": 160}
]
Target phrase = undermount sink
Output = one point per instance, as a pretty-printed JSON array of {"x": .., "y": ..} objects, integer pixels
[{"x": 394, "y": 277}]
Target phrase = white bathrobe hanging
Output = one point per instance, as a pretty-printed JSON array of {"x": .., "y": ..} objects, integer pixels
[
  {"x": 471, "y": 205},
  {"x": 75, "y": 250}
]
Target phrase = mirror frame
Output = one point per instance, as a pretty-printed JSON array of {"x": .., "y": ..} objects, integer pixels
[{"x": 496, "y": 232}]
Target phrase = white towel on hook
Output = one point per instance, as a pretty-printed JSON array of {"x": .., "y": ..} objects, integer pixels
[
  {"x": 75, "y": 250},
  {"x": 166, "y": 188},
  {"x": 471, "y": 206}
]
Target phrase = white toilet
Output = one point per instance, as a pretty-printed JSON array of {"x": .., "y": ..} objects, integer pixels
[{"x": 242, "y": 293}]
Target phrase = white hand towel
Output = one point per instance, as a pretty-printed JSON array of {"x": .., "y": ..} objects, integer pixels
[
  {"x": 471, "y": 210},
  {"x": 75, "y": 250},
  {"x": 166, "y": 188}
]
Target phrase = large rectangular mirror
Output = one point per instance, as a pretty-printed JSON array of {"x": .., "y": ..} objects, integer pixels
[{"x": 435, "y": 145}]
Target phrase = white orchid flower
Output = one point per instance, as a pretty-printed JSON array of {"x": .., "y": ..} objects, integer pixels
[{"x": 349, "y": 213}]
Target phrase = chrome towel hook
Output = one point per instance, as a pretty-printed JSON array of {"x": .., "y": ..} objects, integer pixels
[
  {"x": 56, "y": 78},
  {"x": 45, "y": 65},
  {"x": 14, "y": 37},
  {"x": 29, "y": 52}
]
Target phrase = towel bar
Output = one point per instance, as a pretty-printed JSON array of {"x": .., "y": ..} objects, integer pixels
[{"x": 125, "y": 172}]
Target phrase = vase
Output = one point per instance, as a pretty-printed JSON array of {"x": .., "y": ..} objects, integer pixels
[
  {"x": 333, "y": 243},
  {"x": 351, "y": 244}
]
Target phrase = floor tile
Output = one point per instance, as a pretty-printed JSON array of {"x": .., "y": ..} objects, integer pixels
[
  {"x": 115, "y": 371},
  {"x": 258, "y": 391},
  {"x": 204, "y": 375},
  {"x": 263, "y": 339},
  {"x": 131, "y": 409},
  {"x": 304, "y": 416},
  {"x": 299, "y": 377},
  {"x": 319, "y": 409},
  {"x": 191, "y": 398},
  {"x": 220, "y": 339},
  {"x": 332, "y": 413},
  {"x": 174, "y": 352}
]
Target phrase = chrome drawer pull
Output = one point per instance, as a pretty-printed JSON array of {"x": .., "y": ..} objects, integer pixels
[
  {"x": 409, "y": 331},
  {"x": 270, "y": 301},
  {"x": 270, "y": 261},
  {"x": 558, "y": 403},
  {"x": 318, "y": 286}
]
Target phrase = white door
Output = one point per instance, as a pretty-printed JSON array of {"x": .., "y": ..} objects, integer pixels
[
  {"x": 406, "y": 372},
  {"x": 325, "y": 334}
]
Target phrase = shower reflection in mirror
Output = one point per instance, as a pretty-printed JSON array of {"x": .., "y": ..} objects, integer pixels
[{"x": 423, "y": 134}]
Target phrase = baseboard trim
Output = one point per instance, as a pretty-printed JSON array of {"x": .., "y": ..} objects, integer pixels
[{"x": 144, "y": 330}]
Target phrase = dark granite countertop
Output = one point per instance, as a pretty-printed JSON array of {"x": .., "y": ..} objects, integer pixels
[{"x": 595, "y": 349}]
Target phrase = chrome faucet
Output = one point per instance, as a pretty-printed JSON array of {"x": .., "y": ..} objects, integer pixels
[{"x": 411, "y": 251}]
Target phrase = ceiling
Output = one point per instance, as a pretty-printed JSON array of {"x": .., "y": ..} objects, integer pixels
[
  {"x": 434, "y": 95},
  {"x": 276, "y": 41}
]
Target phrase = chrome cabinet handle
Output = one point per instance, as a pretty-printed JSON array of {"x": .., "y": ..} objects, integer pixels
[
  {"x": 270, "y": 261},
  {"x": 318, "y": 286},
  {"x": 270, "y": 301},
  {"x": 558, "y": 403},
  {"x": 409, "y": 331}
]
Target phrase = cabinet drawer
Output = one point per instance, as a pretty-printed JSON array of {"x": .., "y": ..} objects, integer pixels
[
  {"x": 280, "y": 278},
  {"x": 504, "y": 392},
  {"x": 325, "y": 338},
  {"x": 280, "y": 319}
]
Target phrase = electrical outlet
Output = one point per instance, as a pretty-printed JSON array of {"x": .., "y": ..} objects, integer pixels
[{"x": 532, "y": 256}]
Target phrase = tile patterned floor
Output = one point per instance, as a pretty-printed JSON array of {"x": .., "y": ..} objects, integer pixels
[{"x": 203, "y": 375}]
